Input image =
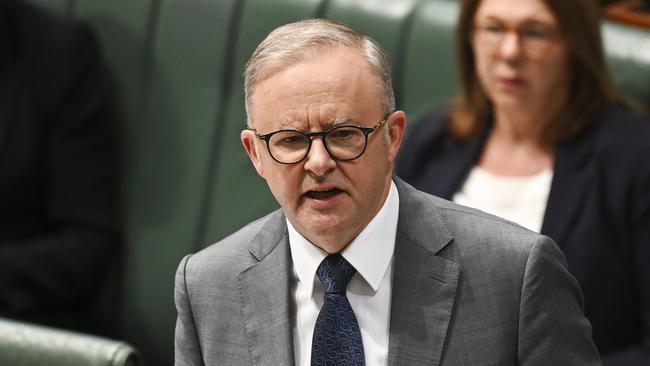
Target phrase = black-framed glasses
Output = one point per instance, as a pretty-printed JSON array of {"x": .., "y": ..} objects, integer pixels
[{"x": 343, "y": 143}]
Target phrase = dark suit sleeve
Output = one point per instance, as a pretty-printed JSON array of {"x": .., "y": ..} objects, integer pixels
[
  {"x": 60, "y": 260},
  {"x": 186, "y": 344},
  {"x": 639, "y": 237},
  {"x": 552, "y": 327}
]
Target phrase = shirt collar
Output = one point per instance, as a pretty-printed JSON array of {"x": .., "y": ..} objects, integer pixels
[{"x": 370, "y": 253}]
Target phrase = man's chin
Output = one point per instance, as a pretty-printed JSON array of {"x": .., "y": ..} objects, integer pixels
[{"x": 320, "y": 228}]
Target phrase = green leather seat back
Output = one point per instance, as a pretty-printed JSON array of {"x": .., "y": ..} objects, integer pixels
[
  {"x": 125, "y": 37},
  {"x": 61, "y": 7},
  {"x": 238, "y": 194},
  {"x": 23, "y": 344},
  {"x": 628, "y": 55},
  {"x": 170, "y": 81},
  {"x": 170, "y": 162},
  {"x": 386, "y": 22},
  {"x": 430, "y": 68}
]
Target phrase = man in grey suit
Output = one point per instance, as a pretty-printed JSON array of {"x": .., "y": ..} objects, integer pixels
[{"x": 430, "y": 282}]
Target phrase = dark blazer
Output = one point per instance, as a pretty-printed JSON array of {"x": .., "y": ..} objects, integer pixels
[
  {"x": 468, "y": 289},
  {"x": 58, "y": 228},
  {"x": 598, "y": 212}
]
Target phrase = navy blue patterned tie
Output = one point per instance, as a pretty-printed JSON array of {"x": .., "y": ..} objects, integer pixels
[{"x": 337, "y": 338}]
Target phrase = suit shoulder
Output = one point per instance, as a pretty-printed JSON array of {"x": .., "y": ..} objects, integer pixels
[
  {"x": 455, "y": 214},
  {"x": 494, "y": 247},
  {"x": 620, "y": 142},
  {"x": 621, "y": 128},
  {"x": 489, "y": 251},
  {"x": 230, "y": 254},
  {"x": 470, "y": 228},
  {"x": 478, "y": 227}
]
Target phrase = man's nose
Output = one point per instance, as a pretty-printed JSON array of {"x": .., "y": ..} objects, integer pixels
[{"x": 319, "y": 161}]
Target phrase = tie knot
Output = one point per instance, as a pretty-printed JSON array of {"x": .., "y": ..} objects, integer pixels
[{"x": 335, "y": 273}]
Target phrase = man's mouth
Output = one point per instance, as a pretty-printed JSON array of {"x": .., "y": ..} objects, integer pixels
[{"x": 323, "y": 194}]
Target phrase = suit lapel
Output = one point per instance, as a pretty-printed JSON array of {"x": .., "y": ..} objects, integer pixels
[
  {"x": 424, "y": 289},
  {"x": 424, "y": 286},
  {"x": 265, "y": 293},
  {"x": 568, "y": 189}
]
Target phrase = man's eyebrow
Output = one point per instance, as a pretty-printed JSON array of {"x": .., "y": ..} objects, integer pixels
[
  {"x": 288, "y": 124},
  {"x": 337, "y": 121}
]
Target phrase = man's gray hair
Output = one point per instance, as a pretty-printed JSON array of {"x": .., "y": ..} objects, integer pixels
[{"x": 289, "y": 44}]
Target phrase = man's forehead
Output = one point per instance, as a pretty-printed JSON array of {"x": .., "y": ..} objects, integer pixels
[
  {"x": 310, "y": 119},
  {"x": 312, "y": 55},
  {"x": 327, "y": 88},
  {"x": 283, "y": 61},
  {"x": 322, "y": 123}
]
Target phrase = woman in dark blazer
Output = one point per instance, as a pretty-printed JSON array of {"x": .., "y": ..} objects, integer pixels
[
  {"x": 538, "y": 135},
  {"x": 58, "y": 199}
]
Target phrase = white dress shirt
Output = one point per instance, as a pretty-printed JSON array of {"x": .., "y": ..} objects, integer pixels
[
  {"x": 369, "y": 291},
  {"x": 518, "y": 199}
]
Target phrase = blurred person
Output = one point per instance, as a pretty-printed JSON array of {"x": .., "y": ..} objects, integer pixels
[
  {"x": 538, "y": 135},
  {"x": 357, "y": 267},
  {"x": 58, "y": 220}
]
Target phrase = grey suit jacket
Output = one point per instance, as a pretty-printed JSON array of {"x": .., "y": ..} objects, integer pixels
[{"x": 468, "y": 289}]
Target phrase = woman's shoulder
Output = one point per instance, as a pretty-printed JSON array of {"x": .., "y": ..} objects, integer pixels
[
  {"x": 429, "y": 125},
  {"x": 620, "y": 142},
  {"x": 427, "y": 133},
  {"x": 623, "y": 120},
  {"x": 431, "y": 131},
  {"x": 623, "y": 127}
]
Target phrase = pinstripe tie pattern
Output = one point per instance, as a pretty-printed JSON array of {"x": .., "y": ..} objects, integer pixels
[{"x": 337, "y": 338}]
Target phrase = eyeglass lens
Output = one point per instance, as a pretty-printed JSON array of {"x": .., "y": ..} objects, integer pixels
[
  {"x": 343, "y": 143},
  {"x": 534, "y": 37}
]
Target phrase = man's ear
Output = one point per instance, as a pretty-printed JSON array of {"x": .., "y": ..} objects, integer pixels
[
  {"x": 396, "y": 127},
  {"x": 248, "y": 138}
]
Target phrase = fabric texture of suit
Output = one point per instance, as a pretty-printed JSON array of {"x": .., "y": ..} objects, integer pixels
[
  {"x": 598, "y": 212},
  {"x": 58, "y": 204},
  {"x": 468, "y": 289}
]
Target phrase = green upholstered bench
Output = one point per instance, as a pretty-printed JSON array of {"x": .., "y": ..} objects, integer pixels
[
  {"x": 23, "y": 344},
  {"x": 178, "y": 63}
]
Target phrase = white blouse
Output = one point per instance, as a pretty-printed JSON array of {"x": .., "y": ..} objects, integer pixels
[{"x": 518, "y": 199}]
